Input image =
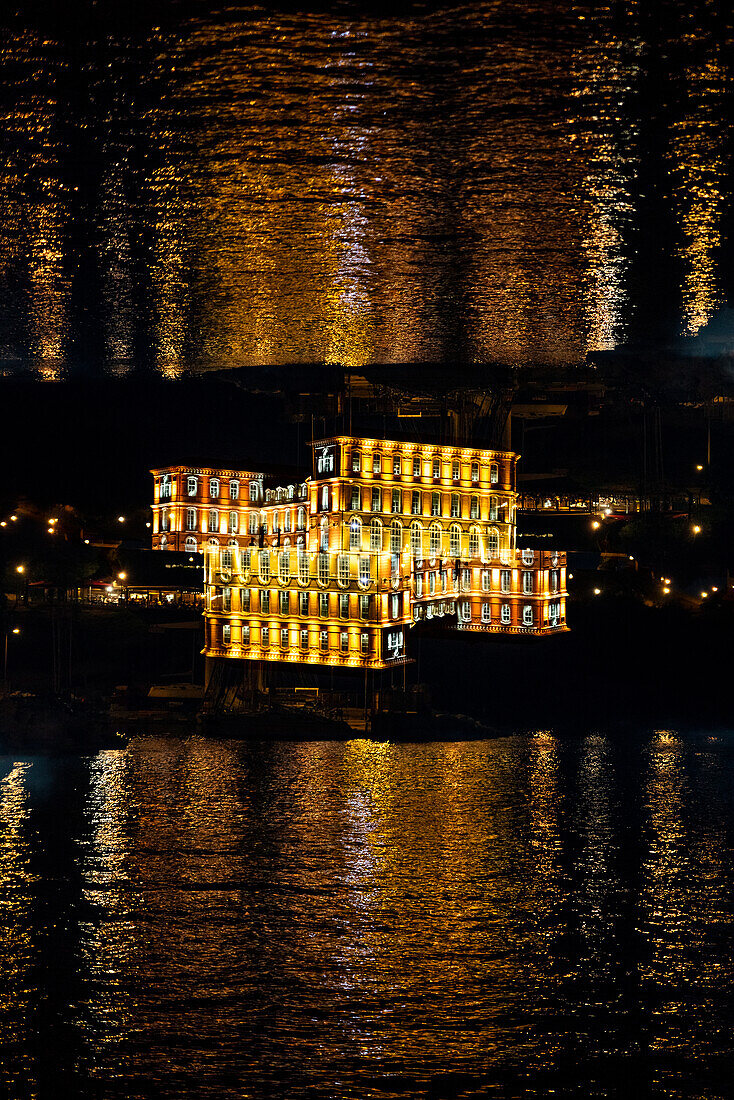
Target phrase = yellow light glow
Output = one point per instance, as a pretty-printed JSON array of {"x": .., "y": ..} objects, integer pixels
[
  {"x": 666, "y": 591},
  {"x": 20, "y": 569},
  {"x": 696, "y": 529},
  {"x": 14, "y": 518},
  {"x": 704, "y": 595},
  {"x": 121, "y": 519},
  {"x": 16, "y": 630},
  {"x": 122, "y": 576},
  {"x": 54, "y": 520},
  {"x": 699, "y": 468},
  {"x": 595, "y": 524}
]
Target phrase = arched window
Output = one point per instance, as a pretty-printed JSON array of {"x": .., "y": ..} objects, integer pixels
[
  {"x": 343, "y": 570},
  {"x": 190, "y": 545},
  {"x": 163, "y": 543},
  {"x": 214, "y": 542},
  {"x": 505, "y": 614},
  {"x": 355, "y": 535},
  {"x": 191, "y": 519},
  {"x": 416, "y": 538},
  {"x": 527, "y": 615},
  {"x": 264, "y": 566},
  {"x": 323, "y": 568},
  {"x": 234, "y": 490},
  {"x": 494, "y": 474},
  {"x": 396, "y": 536},
  {"x": 434, "y": 538},
  {"x": 234, "y": 523},
  {"x": 486, "y": 612},
  {"x": 474, "y": 542},
  {"x": 254, "y": 490},
  {"x": 301, "y": 519},
  {"x": 375, "y": 534},
  {"x": 213, "y": 486},
  {"x": 284, "y": 566},
  {"x": 455, "y": 539},
  {"x": 192, "y": 485},
  {"x": 166, "y": 487},
  {"x": 493, "y": 542},
  {"x": 324, "y": 534}
]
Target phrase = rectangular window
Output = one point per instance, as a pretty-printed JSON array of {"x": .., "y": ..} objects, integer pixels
[
  {"x": 233, "y": 523},
  {"x": 252, "y": 523},
  {"x": 343, "y": 641},
  {"x": 505, "y": 580},
  {"x": 213, "y": 520},
  {"x": 554, "y": 580},
  {"x": 474, "y": 508},
  {"x": 244, "y": 599},
  {"x": 303, "y": 603},
  {"x": 494, "y": 474},
  {"x": 416, "y": 466},
  {"x": 364, "y": 569},
  {"x": 323, "y": 639},
  {"x": 323, "y": 605},
  {"x": 226, "y": 633},
  {"x": 396, "y": 500},
  {"x": 505, "y": 614},
  {"x": 454, "y": 505},
  {"x": 395, "y": 605},
  {"x": 436, "y": 467},
  {"x": 284, "y": 637},
  {"x": 486, "y": 580},
  {"x": 376, "y": 504},
  {"x": 376, "y": 463},
  {"x": 226, "y": 599},
  {"x": 303, "y": 569},
  {"x": 343, "y": 605},
  {"x": 234, "y": 490},
  {"x": 415, "y": 503},
  {"x": 396, "y": 466},
  {"x": 527, "y": 582},
  {"x": 323, "y": 568},
  {"x": 356, "y": 462},
  {"x": 475, "y": 472},
  {"x": 343, "y": 569},
  {"x": 245, "y": 633},
  {"x": 284, "y": 601},
  {"x": 486, "y": 612},
  {"x": 454, "y": 471},
  {"x": 191, "y": 519},
  {"x": 355, "y": 501},
  {"x": 364, "y": 643},
  {"x": 527, "y": 615},
  {"x": 191, "y": 485},
  {"x": 266, "y": 636},
  {"x": 265, "y": 601},
  {"x": 435, "y": 504},
  {"x": 465, "y": 580},
  {"x": 213, "y": 487},
  {"x": 304, "y": 638},
  {"x": 364, "y": 607},
  {"x": 324, "y": 498}
]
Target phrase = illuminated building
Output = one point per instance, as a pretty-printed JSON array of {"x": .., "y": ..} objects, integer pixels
[{"x": 382, "y": 536}]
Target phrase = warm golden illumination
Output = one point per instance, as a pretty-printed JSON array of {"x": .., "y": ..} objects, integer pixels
[
  {"x": 16, "y": 630},
  {"x": 595, "y": 524},
  {"x": 120, "y": 519},
  {"x": 20, "y": 569},
  {"x": 699, "y": 468},
  {"x": 696, "y": 529},
  {"x": 13, "y": 518},
  {"x": 122, "y": 576},
  {"x": 597, "y": 591}
]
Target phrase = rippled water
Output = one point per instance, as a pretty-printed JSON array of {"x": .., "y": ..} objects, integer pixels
[
  {"x": 514, "y": 917},
  {"x": 524, "y": 181}
]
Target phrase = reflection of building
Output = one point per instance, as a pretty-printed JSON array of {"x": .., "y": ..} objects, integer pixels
[{"x": 382, "y": 536}]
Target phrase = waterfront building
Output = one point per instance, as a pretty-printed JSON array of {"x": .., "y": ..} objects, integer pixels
[{"x": 337, "y": 569}]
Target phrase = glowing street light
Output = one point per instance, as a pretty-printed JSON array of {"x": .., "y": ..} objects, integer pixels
[
  {"x": 20, "y": 569},
  {"x": 595, "y": 524},
  {"x": 52, "y": 521},
  {"x": 14, "y": 518},
  {"x": 120, "y": 519},
  {"x": 704, "y": 595},
  {"x": 696, "y": 529},
  {"x": 699, "y": 468},
  {"x": 122, "y": 576},
  {"x": 597, "y": 591},
  {"x": 666, "y": 591}
]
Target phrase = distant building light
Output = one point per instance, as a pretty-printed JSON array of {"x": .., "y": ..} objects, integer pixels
[
  {"x": 16, "y": 630},
  {"x": 666, "y": 591},
  {"x": 20, "y": 569},
  {"x": 696, "y": 529},
  {"x": 597, "y": 591},
  {"x": 699, "y": 468},
  {"x": 714, "y": 588},
  {"x": 120, "y": 519},
  {"x": 54, "y": 520},
  {"x": 86, "y": 542},
  {"x": 122, "y": 576},
  {"x": 14, "y": 518},
  {"x": 595, "y": 523},
  {"x": 704, "y": 595}
]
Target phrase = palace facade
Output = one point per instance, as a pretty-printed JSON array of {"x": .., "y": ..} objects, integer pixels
[{"x": 337, "y": 569}]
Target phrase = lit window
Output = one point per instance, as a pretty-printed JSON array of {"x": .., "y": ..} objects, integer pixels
[
  {"x": 435, "y": 504},
  {"x": 486, "y": 580},
  {"x": 266, "y": 636},
  {"x": 474, "y": 542},
  {"x": 355, "y": 535},
  {"x": 465, "y": 611},
  {"x": 191, "y": 486},
  {"x": 234, "y": 490},
  {"x": 284, "y": 602},
  {"x": 364, "y": 570},
  {"x": 213, "y": 519},
  {"x": 505, "y": 614},
  {"x": 323, "y": 605},
  {"x": 364, "y": 606},
  {"x": 252, "y": 523},
  {"x": 474, "y": 508},
  {"x": 376, "y": 504},
  {"x": 465, "y": 580},
  {"x": 343, "y": 569},
  {"x": 454, "y": 471},
  {"x": 493, "y": 542},
  {"x": 226, "y": 559},
  {"x": 265, "y": 601},
  {"x": 343, "y": 605},
  {"x": 454, "y": 505},
  {"x": 284, "y": 566},
  {"x": 226, "y": 633},
  {"x": 190, "y": 545},
  {"x": 415, "y": 503},
  {"x": 376, "y": 463},
  {"x": 494, "y": 474},
  {"x": 434, "y": 538},
  {"x": 396, "y": 536},
  {"x": 323, "y": 567},
  {"x": 505, "y": 580},
  {"x": 303, "y": 603},
  {"x": 396, "y": 500},
  {"x": 191, "y": 519},
  {"x": 486, "y": 612},
  {"x": 475, "y": 472},
  {"x": 355, "y": 504},
  {"x": 323, "y": 639},
  {"x": 343, "y": 641},
  {"x": 494, "y": 508},
  {"x": 302, "y": 567},
  {"x": 245, "y": 599},
  {"x": 253, "y": 490},
  {"x": 554, "y": 580},
  {"x": 166, "y": 487},
  {"x": 264, "y": 566},
  {"x": 375, "y": 535},
  {"x": 246, "y": 634},
  {"x": 246, "y": 560},
  {"x": 419, "y": 584},
  {"x": 416, "y": 466},
  {"x": 395, "y": 605},
  {"x": 213, "y": 486},
  {"x": 233, "y": 523},
  {"x": 436, "y": 467},
  {"x": 528, "y": 557},
  {"x": 527, "y": 615},
  {"x": 324, "y": 498},
  {"x": 301, "y": 519},
  {"x": 396, "y": 466},
  {"x": 226, "y": 599},
  {"x": 356, "y": 462},
  {"x": 364, "y": 643},
  {"x": 527, "y": 582},
  {"x": 324, "y": 534},
  {"x": 455, "y": 539},
  {"x": 416, "y": 538},
  {"x": 431, "y": 584},
  {"x": 284, "y": 637}
]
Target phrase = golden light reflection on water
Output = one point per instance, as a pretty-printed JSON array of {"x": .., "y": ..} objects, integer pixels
[{"x": 291, "y": 187}]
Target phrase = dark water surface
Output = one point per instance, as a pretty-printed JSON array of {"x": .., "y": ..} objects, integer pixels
[
  {"x": 518, "y": 917},
  {"x": 192, "y": 185}
]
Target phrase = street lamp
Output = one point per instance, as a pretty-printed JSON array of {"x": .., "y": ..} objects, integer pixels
[
  {"x": 14, "y": 630},
  {"x": 696, "y": 529},
  {"x": 120, "y": 519}
]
